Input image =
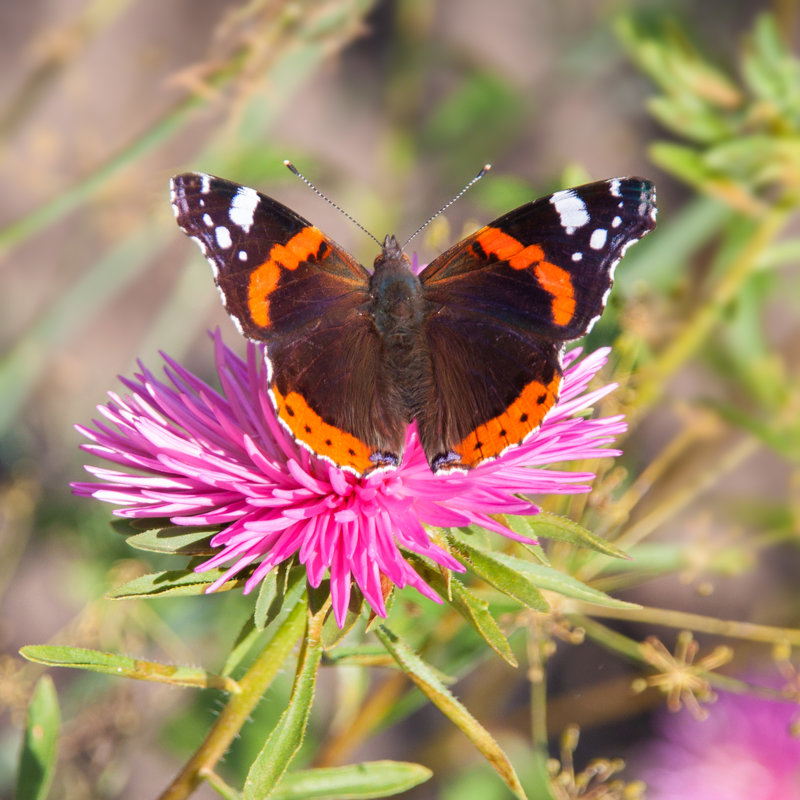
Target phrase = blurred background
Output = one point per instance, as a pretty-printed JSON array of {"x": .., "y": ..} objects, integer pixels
[{"x": 389, "y": 107}]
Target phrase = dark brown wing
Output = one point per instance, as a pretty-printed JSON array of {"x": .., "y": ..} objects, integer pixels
[
  {"x": 503, "y": 302},
  {"x": 287, "y": 284}
]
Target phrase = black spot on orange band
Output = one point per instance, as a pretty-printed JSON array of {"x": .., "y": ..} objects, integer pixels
[
  {"x": 512, "y": 426},
  {"x": 326, "y": 440}
]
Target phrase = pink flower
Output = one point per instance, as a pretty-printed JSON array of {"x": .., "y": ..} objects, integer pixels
[
  {"x": 202, "y": 457},
  {"x": 744, "y": 750}
]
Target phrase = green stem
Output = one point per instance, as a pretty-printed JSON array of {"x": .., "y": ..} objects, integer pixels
[
  {"x": 694, "y": 622},
  {"x": 239, "y": 707},
  {"x": 539, "y": 709}
]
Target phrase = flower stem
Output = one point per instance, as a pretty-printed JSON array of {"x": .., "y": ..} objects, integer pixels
[
  {"x": 695, "y": 622},
  {"x": 539, "y": 711},
  {"x": 230, "y": 721}
]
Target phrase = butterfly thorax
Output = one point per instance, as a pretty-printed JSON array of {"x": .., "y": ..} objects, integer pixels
[{"x": 396, "y": 302}]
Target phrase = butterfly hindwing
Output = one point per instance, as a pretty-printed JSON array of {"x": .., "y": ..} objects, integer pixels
[{"x": 493, "y": 386}]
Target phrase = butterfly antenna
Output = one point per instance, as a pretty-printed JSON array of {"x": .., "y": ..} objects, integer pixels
[
  {"x": 484, "y": 170},
  {"x": 307, "y": 182}
]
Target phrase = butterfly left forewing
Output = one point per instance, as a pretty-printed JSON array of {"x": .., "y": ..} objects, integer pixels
[
  {"x": 275, "y": 271},
  {"x": 286, "y": 284}
]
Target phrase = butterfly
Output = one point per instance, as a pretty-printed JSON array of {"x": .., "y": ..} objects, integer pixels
[{"x": 470, "y": 348}]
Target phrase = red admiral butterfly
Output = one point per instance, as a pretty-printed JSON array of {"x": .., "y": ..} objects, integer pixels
[{"x": 470, "y": 348}]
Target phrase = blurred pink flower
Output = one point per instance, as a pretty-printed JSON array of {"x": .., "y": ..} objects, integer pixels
[
  {"x": 202, "y": 457},
  {"x": 744, "y": 750}
]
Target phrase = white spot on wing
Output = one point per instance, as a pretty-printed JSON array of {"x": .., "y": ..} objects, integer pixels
[
  {"x": 208, "y": 221},
  {"x": 205, "y": 183},
  {"x": 242, "y": 255},
  {"x": 598, "y": 238},
  {"x": 613, "y": 187},
  {"x": 223, "y": 236},
  {"x": 616, "y": 222},
  {"x": 577, "y": 256},
  {"x": 571, "y": 210},
  {"x": 243, "y": 207}
]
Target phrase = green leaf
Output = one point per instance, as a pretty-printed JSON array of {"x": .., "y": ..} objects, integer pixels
[
  {"x": 37, "y": 759},
  {"x": 125, "y": 667},
  {"x": 556, "y": 581},
  {"x": 173, "y": 582},
  {"x": 267, "y": 592},
  {"x": 353, "y": 782},
  {"x": 522, "y": 579},
  {"x": 247, "y": 637},
  {"x": 272, "y": 609},
  {"x": 332, "y": 634},
  {"x": 283, "y": 743},
  {"x": 476, "y": 611},
  {"x": 426, "y": 680},
  {"x": 280, "y": 591},
  {"x": 687, "y": 116},
  {"x": 130, "y": 527},
  {"x": 187, "y": 541},
  {"x": 508, "y": 580},
  {"x": 552, "y": 526},
  {"x": 689, "y": 166}
]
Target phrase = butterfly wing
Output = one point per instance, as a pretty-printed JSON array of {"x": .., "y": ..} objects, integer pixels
[
  {"x": 505, "y": 300},
  {"x": 286, "y": 284}
]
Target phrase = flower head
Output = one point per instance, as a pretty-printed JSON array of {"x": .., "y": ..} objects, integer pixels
[{"x": 206, "y": 457}]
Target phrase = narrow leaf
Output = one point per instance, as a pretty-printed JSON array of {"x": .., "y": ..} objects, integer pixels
[
  {"x": 476, "y": 611},
  {"x": 280, "y": 591},
  {"x": 267, "y": 590},
  {"x": 175, "y": 539},
  {"x": 287, "y": 736},
  {"x": 353, "y": 782},
  {"x": 427, "y": 682},
  {"x": 37, "y": 759},
  {"x": 173, "y": 582},
  {"x": 130, "y": 527},
  {"x": 551, "y": 526},
  {"x": 247, "y": 637},
  {"x": 125, "y": 667},
  {"x": 556, "y": 581},
  {"x": 506, "y": 578}
]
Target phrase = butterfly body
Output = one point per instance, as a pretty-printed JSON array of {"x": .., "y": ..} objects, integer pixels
[{"x": 469, "y": 349}]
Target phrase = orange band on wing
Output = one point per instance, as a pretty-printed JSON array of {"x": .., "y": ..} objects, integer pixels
[
  {"x": 302, "y": 246},
  {"x": 326, "y": 440},
  {"x": 558, "y": 283},
  {"x": 552, "y": 278},
  {"x": 511, "y": 427}
]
